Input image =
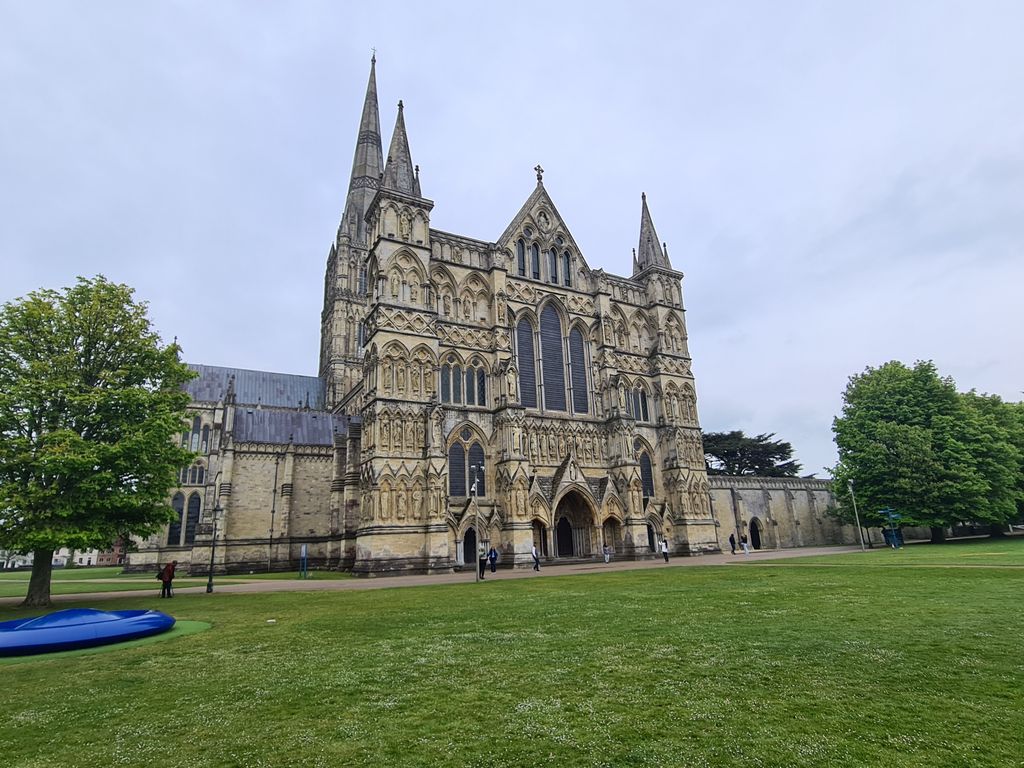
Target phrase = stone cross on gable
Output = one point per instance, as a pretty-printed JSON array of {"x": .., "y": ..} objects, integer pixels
[{"x": 540, "y": 172}]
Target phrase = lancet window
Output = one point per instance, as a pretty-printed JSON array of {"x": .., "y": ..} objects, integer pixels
[
  {"x": 174, "y": 529},
  {"x": 194, "y": 507},
  {"x": 561, "y": 360},
  {"x": 465, "y": 454},
  {"x": 463, "y": 386},
  {"x": 637, "y": 404}
]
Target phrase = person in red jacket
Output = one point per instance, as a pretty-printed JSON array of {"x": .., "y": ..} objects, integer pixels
[{"x": 166, "y": 579}]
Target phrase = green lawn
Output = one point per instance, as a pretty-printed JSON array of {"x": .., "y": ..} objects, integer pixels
[
  {"x": 752, "y": 665},
  {"x": 80, "y": 580},
  {"x": 1007, "y": 551},
  {"x": 63, "y": 574}
]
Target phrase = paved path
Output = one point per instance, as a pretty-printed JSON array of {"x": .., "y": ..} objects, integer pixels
[{"x": 387, "y": 582}]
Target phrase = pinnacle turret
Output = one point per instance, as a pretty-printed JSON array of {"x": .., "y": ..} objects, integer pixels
[
  {"x": 650, "y": 251},
  {"x": 399, "y": 173}
]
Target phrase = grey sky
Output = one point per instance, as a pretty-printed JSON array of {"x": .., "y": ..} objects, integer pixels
[{"x": 842, "y": 184}]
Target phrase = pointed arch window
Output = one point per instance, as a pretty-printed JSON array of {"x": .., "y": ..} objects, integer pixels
[
  {"x": 646, "y": 475},
  {"x": 566, "y": 269},
  {"x": 463, "y": 455},
  {"x": 476, "y": 459},
  {"x": 481, "y": 387},
  {"x": 446, "y": 383},
  {"x": 553, "y": 266},
  {"x": 457, "y": 470},
  {"x": 457, "y": 384},
  {"x": 552, "y": 359},
  {"x": 205, "y": 448},
  {"x": 194, "y": 445},
  {"x": 195, "y": 505},
  {"x": 535, "y": 261},
  {"x": 174, "y": 529},
  {"x": 527, "y": 364},
  {"x": 521, "y": 257},
  {"x": 578, "y": 372},
  {"x": 636, "y": 402}
]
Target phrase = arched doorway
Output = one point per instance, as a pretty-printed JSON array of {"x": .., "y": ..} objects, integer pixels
[
  {"x": 540, "y": 538},
  {"x": 755, "y": 533},
  {"x": 574, "y": 526},
  {"x": 469, "y": 547},
  {"x": 563, "y": 537},
  {"x": 650, "y": 537},
  {"x": 611, "y": 533}
]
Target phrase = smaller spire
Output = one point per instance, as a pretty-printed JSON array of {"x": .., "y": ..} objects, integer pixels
[
  {"x": 399, "y": 175},
  {"x": 649, "y": 252}
]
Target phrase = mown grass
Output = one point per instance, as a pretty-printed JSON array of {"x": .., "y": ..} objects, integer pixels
[
  {"x": 759, "y": 665},
  {"x": 82, "y": 580},
  {"x": 983, "y": 552},
  {"x": 63, "y": 574}
]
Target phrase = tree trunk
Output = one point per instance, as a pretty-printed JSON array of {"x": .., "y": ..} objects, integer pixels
[
  {"x": 39, "y": 583},
  {"x": 938, "y": 534}
]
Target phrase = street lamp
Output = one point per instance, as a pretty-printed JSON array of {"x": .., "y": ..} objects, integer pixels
[
  {"x": 213, "y": 547},
  {"x": 479, "y": 534},
  {"x": 856, "y": 517}
]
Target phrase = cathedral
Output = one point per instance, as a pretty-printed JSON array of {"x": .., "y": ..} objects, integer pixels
[{"x": 470, "y": 394}]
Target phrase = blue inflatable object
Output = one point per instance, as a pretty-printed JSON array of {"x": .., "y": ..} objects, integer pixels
[{"x": 78, "y": 628}]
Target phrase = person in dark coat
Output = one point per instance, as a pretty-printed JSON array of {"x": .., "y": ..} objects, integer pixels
[
  {"x": 732, "y": 542},
  {"x": 167, "y": 579},
  {"x": 492, "y": 557}
]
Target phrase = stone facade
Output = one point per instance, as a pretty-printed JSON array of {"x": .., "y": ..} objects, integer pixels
[{"x": 471, "y": 393}]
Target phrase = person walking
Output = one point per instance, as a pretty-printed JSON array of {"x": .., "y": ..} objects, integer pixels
[
  {"x": 664, "y": 549},
  {"x": 167, "y": 578},
  {"x": 536, "y": 557},
  {"x": 732, "y": 543},
  {"x": 607, "y": 553},
  {"x": 743, "y": 543},
  {"x": 492, "y": 556}
]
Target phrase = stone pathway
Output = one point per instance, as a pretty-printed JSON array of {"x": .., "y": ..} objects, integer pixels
[{"x": 389, "y": 582}]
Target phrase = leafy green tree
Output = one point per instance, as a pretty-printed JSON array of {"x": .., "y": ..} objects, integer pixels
[
  {"x": 996, "y": 430},
  {"x": 910, "y": 442},
  {"x": 733, "y": 453},
  {"x": 91, "y": 405}
]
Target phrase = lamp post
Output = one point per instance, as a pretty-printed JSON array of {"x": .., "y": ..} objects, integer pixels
[
  {"x": 213, "y": 547},
  {"x": 479, "y": 534},
  {"x": 856, "y": 517}
]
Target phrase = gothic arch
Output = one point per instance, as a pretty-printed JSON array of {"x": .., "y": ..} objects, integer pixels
[
  {"x": 674, "y": 335},
  {"x": 526, "y": 313},
  {"x": 444, "y": 285},
  {"x": 588, "y": 330},
  {"x": 641, "y": 332},
  {"x": 556, "y": 302},
  {"x": 613, "y": 510},
  {"x": 584, "y": 493}
]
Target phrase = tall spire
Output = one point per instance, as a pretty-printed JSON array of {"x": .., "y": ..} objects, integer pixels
[
  {"x": 650, "y": 252},
  {"x": 399, "y": 175},
  {"x": 366, "y": 164}
]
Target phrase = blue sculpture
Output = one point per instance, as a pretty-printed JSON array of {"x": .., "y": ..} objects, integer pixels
[{"x": 78, "y": 628}]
